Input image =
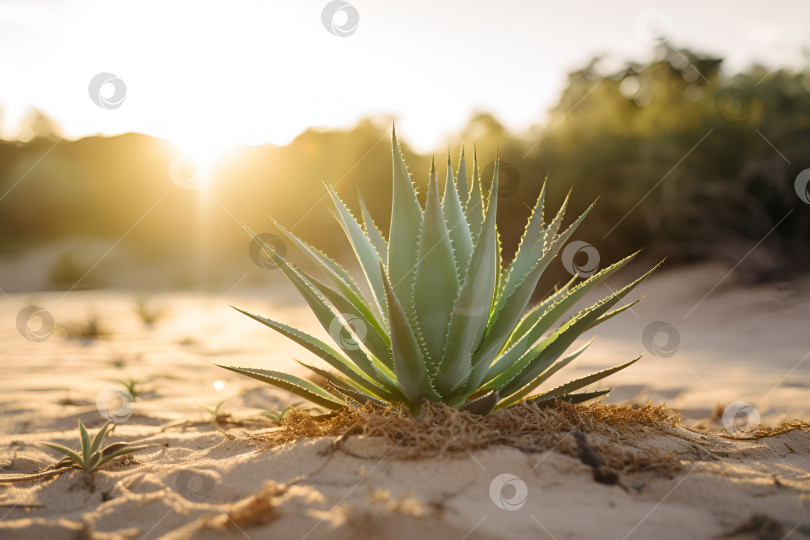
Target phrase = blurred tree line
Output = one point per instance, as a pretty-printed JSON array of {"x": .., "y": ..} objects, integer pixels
[{"x": 690, "y": 163}]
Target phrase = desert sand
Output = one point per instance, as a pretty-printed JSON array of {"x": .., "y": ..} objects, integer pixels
[{"x": 205, "y": 479}]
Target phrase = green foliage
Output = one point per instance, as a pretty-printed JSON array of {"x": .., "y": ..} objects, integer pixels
[
  {"x": 617, "y": 132},
  {"x": 688, "y": 148},
  {"x": 146, "y": 313},
  {"x": 214, "y": 411},
  {"x": 445, "y": 320},
  {"x": 91, "y": 456},
  {"x": 278, "y": 415},
  {"x": 67, "y": 271},
  {"x": 132, "y": 386},
  {"x": 89, "y": 329}
]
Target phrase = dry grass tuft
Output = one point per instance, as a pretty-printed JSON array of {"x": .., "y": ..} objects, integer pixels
[
  {"x": 443, "y": 431},
  {"x": 761, "y": 432}
]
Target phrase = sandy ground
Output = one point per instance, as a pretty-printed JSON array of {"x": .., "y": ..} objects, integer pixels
[{"x": 197, "y": 480}]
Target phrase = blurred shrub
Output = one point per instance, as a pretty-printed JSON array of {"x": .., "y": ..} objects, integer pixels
[{"x": 690, "y": 162}]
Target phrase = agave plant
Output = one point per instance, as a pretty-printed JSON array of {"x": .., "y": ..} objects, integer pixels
[{"x": 445, "y": 320}]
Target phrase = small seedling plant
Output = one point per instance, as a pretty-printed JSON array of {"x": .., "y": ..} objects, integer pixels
[
  {"x": 91, "y": 456},
  {"x": 146, "y": 313},
  {"x": 277, "y": 415},
  {"x": 132, "y": 386}
]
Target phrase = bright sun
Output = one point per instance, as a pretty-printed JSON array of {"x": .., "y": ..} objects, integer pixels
[{"x": 197, "y": 156}]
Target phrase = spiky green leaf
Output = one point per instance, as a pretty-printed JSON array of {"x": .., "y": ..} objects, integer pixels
[
  {"x": 117, "y": 450},
  {"x": 482, "y": 405},
  {"x": 406, "y": 227},
  {"x": 474, "y": 211},
  {"x": 338, "y": 275},
  {"x": 330, "y": 321},
  {"x": 542, "y": 401},
  {"x": 534, "y": 326},
  {"x": 532, "y": 243},
  {"x": 471, "y": 310},
  {"x": 512, "y": 304},
  {"x": 462, "y": 187},
  {"x": 576, "y": 384},
  {"x": 85, "y": 441},
  {"x": 99, "y": 437},
  {"x": 64, "y": 450},
  {"x": 368, "y": 376},
  {"x": 345, "y": 387},
  {"x": 457, "y": 225},
  {"x": 375, "y": 339},
  {"x": 436, "y": 284},
  {"x": 298, "y": 386},
  {"x": 548, "y": 368},
  {"x": 364, "y": 250},
  {"x": 374, "y": 234},
  {"x": 510, "y": 375},
  {"x": 412, "y": 374}
]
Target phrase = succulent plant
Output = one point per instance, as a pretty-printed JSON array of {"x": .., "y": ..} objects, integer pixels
[
  {"x": 91, "y": 456},
  {"x": 446, "y": 320}
]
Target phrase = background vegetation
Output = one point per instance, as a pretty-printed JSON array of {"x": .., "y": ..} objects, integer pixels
[{"x": 690, "y": 162}]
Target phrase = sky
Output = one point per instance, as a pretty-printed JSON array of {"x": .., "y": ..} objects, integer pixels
[{"x": 210, "y": 74}]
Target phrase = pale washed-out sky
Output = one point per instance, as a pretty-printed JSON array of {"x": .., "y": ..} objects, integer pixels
[{"x": 248, "y": 71}]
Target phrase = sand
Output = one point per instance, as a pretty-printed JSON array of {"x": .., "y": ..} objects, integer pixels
[{"x": 206, "y": 479}]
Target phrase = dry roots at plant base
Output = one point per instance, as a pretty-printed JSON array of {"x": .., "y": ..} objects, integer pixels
[{"x": 440, "y": 430}]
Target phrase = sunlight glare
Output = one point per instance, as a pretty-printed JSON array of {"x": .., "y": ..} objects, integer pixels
[{"x": 198, "y": 156}]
